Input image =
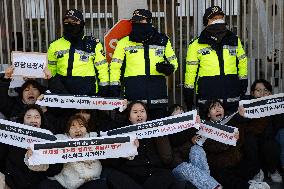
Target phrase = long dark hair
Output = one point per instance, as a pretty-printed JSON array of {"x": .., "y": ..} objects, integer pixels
[{"x": 43, "y": 123}]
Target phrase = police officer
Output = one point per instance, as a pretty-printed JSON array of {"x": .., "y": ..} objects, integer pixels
[
  {"x": 216, "y": 64},
  {"x": 77, "y": 62},
  {"x": 140, "y": 64}
]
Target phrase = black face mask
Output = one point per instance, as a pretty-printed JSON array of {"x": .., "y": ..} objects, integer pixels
[
  {"x": 141, "y": 32},
  {"x": 217, "y": 31},
  {"x": 73, "y": 32}
]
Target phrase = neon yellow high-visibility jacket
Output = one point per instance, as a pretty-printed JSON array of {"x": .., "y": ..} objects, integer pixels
[
  {"x": 216, "y": 70},
  {"x": 79, "y": 66},
  {"x": 134, "y": 65}
]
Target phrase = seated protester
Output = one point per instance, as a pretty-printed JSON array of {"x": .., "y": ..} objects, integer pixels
[
  {"x": 179, "y": 144},
  {"x": 17, "y": 174},
  {"x": 230, "y": 165},
  {"x": 28, "y": 94},
  {"x": 146, "y": 170},
  {"x": 193, "y": 168},
  {"x": 83, "y": 174},
  {"x": 262, "y": 130}
]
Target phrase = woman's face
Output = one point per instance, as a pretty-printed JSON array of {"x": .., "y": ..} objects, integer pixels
[
  {"x": 260, "y": 91},
  {"x": 177, "y": 111},
  {"x": 216, "y": 112},
  {"x": 33, "y": 118},
  {"x": 77, "y": 129},
  {"x": 137, "y": 114},
  {"x": 30, "y": 94}
]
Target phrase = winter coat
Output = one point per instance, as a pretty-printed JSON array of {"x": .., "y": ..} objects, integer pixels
[
  {"x": 220, "y": 155},
  {"x": 74, "y": 174},
  {"x": 176, "y": 147},
  {"x": 17, "y": 174}
]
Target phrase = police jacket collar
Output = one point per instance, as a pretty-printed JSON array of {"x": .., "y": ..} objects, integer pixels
[
  {"x": 156, "y": 39},
  {"x": 229, "y": 39}
]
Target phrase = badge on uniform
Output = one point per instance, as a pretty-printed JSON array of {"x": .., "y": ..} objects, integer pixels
[
  {"x": 84, "y": 58},
  {"x": 205, "y": 52},
  {"x": 232, "y": 52},
  {"x": 133, "y": 51},
  {"x": 159, "y": 52}
]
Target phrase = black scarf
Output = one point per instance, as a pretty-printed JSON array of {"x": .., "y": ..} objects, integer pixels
[
  {"x": 73, "y": 33},
  {"x": 141, "y": 32},
  {"x": 217, "y": 31}
]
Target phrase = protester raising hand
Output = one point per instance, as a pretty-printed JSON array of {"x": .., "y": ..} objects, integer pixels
[
  {"x": 9, "y": 72},
  {"x": 241, "y": 111}
]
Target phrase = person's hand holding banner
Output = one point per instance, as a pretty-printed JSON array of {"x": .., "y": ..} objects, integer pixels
[
  {"x": 9, "y": 72},
  {"x": 262, "y": 107},
  {"x": 221, "y": 133},
  {"x": 82, "y": 149},
  {"x": 241, "y": 111},
  {"x": 81, "y": 102},
  {"x": 21, "y": 135},
  {"x": 159, "y": 127},
  {"x": 30, "y": 64},
  {"x": 47, "y": 73}
]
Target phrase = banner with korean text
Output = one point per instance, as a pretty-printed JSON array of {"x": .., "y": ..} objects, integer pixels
[
  {"x": 73, "y": 150},
  {"x": 21, "y": 135},
  {"x": 29, "y": 64},
  {"x": 80, "y": 102},
  {"x": 221, "y": 133},
  {"x": 159, "y": 127},
  {"x": 265, "y": 106}
]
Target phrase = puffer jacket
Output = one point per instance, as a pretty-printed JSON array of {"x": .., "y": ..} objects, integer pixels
[{"x": 74, "y": 174}]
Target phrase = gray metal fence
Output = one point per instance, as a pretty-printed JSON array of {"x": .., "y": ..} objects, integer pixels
[{"x": 30, "y": 25}]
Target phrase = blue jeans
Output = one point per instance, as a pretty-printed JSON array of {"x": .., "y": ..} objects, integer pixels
[
  {"x": 196, "y": 170},
  {"x": 280, "y": 139}
]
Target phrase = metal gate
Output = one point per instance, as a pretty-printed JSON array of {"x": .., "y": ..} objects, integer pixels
[{"x": 30, "y": 25}]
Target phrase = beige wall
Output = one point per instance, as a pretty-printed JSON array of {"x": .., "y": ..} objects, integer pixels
[{"x": 126, "y": 7}]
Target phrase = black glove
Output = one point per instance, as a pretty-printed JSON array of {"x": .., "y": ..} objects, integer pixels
[
  {"x": 243, "y": 86},
  {"x": 103, "y": 91},
  {"x": 55, "y": 85},
  {"x": 165, "y": 68},
  {"x": 114, "y": 90},
  {"x": 188, "y": 98}
]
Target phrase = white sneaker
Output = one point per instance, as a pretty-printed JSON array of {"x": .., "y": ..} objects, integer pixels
[
  {"x": 259, "y": 176},
  {"x": 258, "y": 185},
  {"x": 275, "y": 177}
]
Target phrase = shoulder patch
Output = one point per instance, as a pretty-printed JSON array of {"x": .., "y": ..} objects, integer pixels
[
  {"x": 91, "y": 38},
  {"x": 90, "y": 43},
  {"x": 55, "y": 40}
]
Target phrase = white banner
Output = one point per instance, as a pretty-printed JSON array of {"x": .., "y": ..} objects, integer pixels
[
  {"x": 80, "y": 102},
  {"x": 159, "y": 127},
  {"x": 218, "y": 132},
  {"x": 21, "y": 135},
  {"x": 265, "y": 106},
  {"x": 29, "y": 64},
  {"x": 16, "y": 82},
  {"x": 73, "y": 150}
]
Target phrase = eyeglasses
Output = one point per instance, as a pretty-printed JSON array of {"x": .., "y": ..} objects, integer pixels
[{"x": 265, "y": 91}]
